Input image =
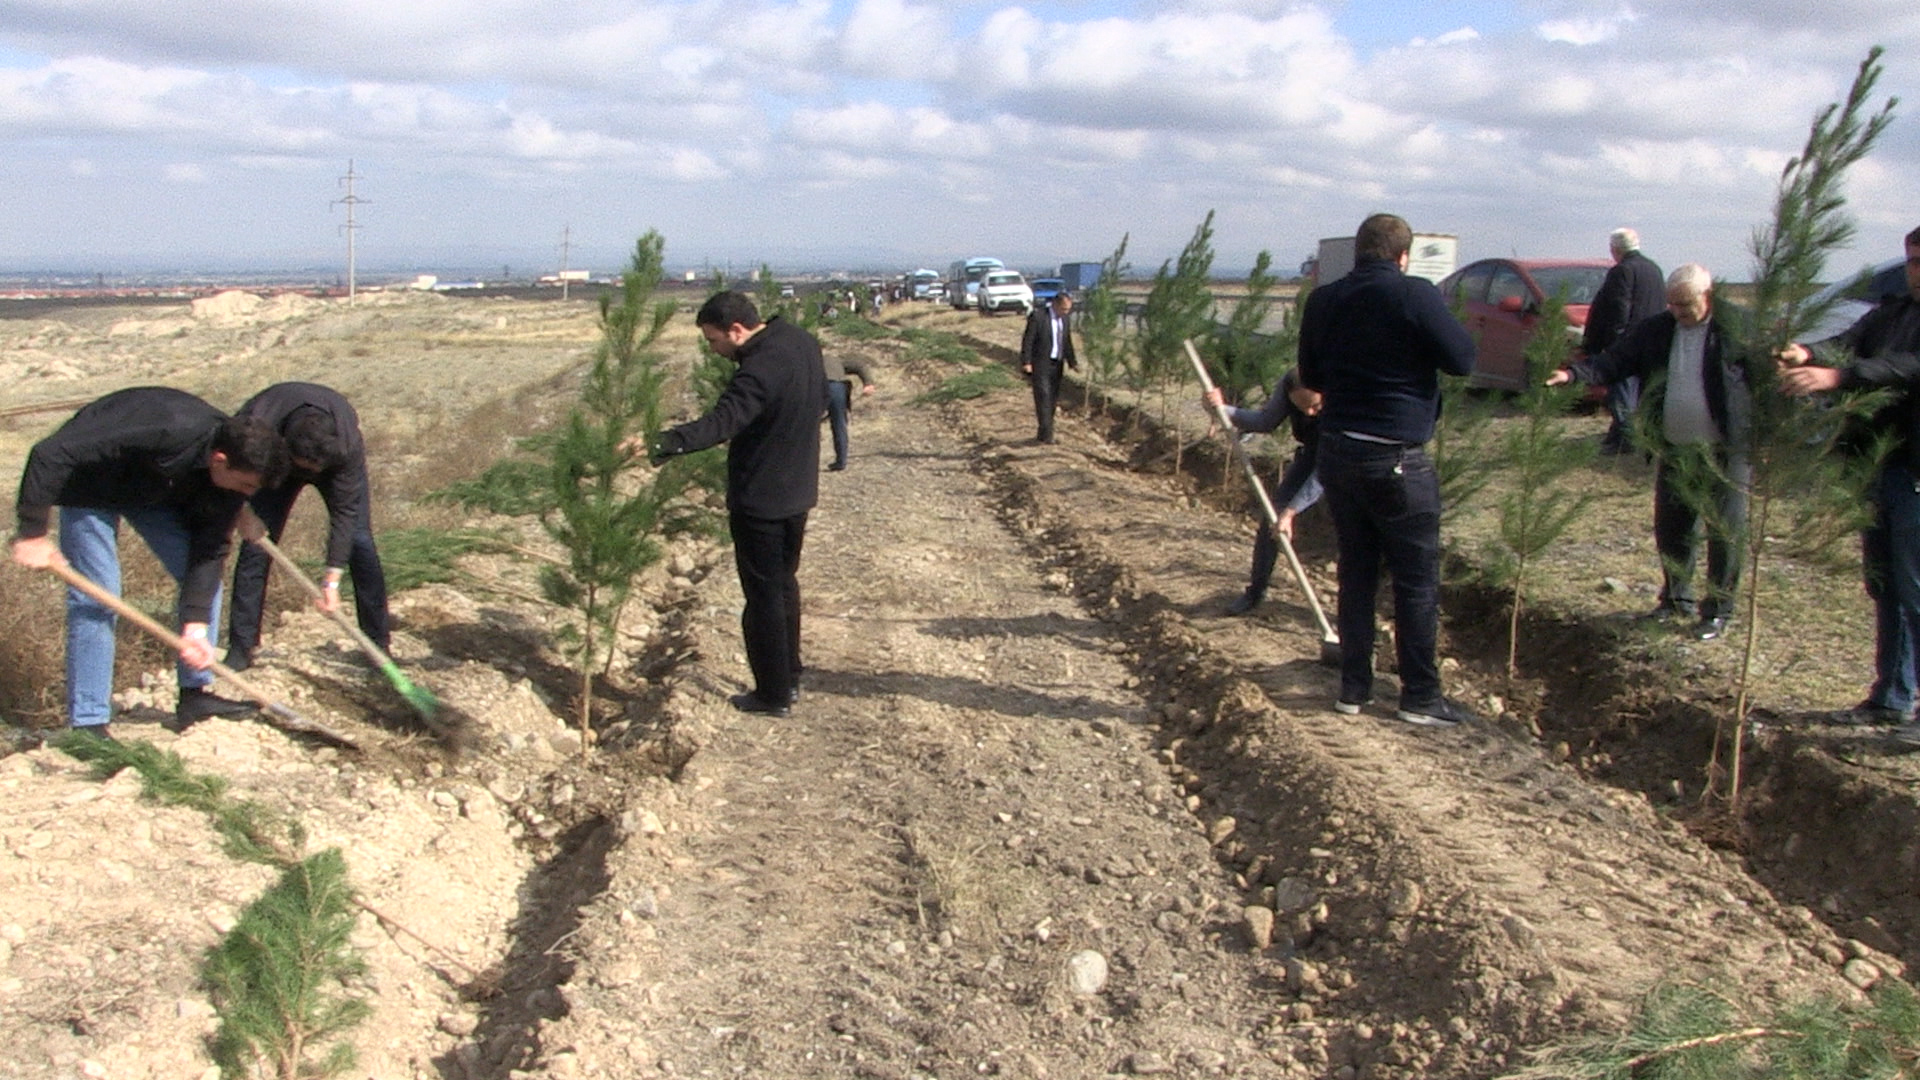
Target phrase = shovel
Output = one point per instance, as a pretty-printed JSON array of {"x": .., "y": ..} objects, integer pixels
[
  {"x": 277, "y": 714},
  {"x": 1329, "y": 639},
  {"x": 424, "y": 704}
]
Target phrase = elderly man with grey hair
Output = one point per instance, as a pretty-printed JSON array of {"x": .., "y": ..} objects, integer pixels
[
  {"x": 1698, "y": 407},
  {"x": 1631, "y": 292}
]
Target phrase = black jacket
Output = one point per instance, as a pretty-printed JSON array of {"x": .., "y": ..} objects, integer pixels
[
  {"x": 1885, "y": 345},
  {"x": 1644, "y": 352},
  {"x": 139, "y": 449},
  {"x": 1374, "y": 343},
  {"x": 1634, "y": 289},
  {"x": 343, "y": 484},
  {"x": 1036, "y": 341},
  {"x": 770, "y": 414}
]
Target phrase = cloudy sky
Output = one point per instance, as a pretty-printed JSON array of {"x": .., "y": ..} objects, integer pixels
[{"x": 214, "y": 133}]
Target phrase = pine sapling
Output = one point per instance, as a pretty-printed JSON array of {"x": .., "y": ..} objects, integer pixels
[
  {"x": 1102, "y": 347},
  {"x": 1251, "y": 360},
  {"x": 1537, "y": 454},
  {"x": 1178, "y": 308}
]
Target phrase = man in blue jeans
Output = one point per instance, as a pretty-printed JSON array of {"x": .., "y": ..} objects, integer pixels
[
  {"x": 176, "y": 469},
  {"x": 1373, "y": 343},
  {"x": 1882, "y": 349}
]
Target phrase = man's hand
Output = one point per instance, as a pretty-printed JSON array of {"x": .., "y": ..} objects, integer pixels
[
  {"x": 1213, "y": 398},
  {"x": 38, "y": 553},
  {"x": 868, "y": 389},
  {"x": 1560, "y": 377},
  {"x": 1794, "y": 355},
  {"x": 195, "y": 650},
  {"x": 1284, "y": 526},
  {"x": 1801, "y": 381},
  {"x": 1026, "y": 369},
  {"x": 329, "y": 599}
]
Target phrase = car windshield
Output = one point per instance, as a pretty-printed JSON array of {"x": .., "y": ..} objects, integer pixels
[
  {"x": 1574, "y": 284},
  {"x": 1003, "y": 279}
]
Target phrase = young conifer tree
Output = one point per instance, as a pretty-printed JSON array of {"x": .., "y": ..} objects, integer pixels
[
  {"x": 1537, "y": 456},
  {"x": 1101, "y": 310},
  {"x": 1178, "y": 308},
  {"x": 1803, "y": 496},
  {"x": 1249, "y": 360}
]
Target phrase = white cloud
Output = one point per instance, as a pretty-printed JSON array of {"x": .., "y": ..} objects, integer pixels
[{"x": 184, "y": 172}]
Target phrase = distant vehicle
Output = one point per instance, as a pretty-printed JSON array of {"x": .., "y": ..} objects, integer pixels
[
  {"x": 786, "y": 292},
  {"x": 1046, "y": 288},
  {"x": 963, "y": 280},
  {"x": 920, "y": 284},
  {"x": 936, "y": 292},
  {"x": 1078, "y": 277},
  {"x": 1857, "y": 295},
  {"x": 1432, "y": 256},
  {"x": 1005, "y": 290},
  {"x": 1499, "y": 300}
]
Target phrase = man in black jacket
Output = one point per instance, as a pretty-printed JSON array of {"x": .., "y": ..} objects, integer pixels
[
  {"x": 1882, "y": 349},
  {"x": 324, "y": 443},
  {"x": 1633, "y": 290},
  {"x": 1374, "y": 344},
  {"x": 1697, "y": 406},
  {"x": 1046, "y": 350},
  {"x": 175, "y": 469},
  {"x": 770, "y": 415}
]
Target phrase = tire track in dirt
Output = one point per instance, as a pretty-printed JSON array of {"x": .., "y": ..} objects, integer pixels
[{"x": 1588, "y": 880}]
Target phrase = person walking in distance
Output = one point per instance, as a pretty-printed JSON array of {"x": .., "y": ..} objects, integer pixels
[
  {"x": 1046, "y": 349},
  {"x": 840, "y": 400},
  {"x": 323, "y": 439},
  {"x": 1632, "y": 291},
  {"x": 1374, "y": 343},
  {"x": 769, "y": 414},
  {"x": 177, "y": 470}
]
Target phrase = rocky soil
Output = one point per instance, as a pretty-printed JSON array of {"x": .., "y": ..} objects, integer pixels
[{"x": 1041, "y": 810}]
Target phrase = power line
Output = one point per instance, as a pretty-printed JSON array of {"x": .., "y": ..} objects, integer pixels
[
  {"x": 349, "y": 200},
  {"x": 566, "y": 248}
]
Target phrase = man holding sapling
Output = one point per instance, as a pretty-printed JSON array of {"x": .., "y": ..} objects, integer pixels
[
  {"x": 1882, "y": 350},
  {"x": 175, "y": 469},
  {"x": 1695, "y": 406},
  {"x": 769, "y": 413},
  {"x": 1374, "y": 344},
  {"x": 326, "y": 450}
]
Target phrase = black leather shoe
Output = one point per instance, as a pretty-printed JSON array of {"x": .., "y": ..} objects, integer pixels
[
  {"x": 758, "y": 706},
  {"x": 1712, "y": 627},
  {"x": 1244, "y": 603},
  {"x": 238, "y": 659},
  {"x": 838, "y": 466},
  {"x": 200, "y": 704}
]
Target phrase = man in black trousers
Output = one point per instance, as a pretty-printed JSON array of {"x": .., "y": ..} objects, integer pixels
[
  {"x": 323, "y": 440},
  {"x": 770, "y": 413},
  {"x": 1633, "y": 290},
  {"x": 1374, "y": 344},
  {"x": 1046, "y": 350}
]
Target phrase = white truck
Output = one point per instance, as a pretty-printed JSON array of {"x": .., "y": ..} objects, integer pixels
[{"x": 1433, "y": 256}]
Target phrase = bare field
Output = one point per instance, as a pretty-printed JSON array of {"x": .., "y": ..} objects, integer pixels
[{"x": 1041, "y": 811}]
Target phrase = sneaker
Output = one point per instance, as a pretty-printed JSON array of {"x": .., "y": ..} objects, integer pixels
[
  {"x": 1906, "y": 736},
  {"x": 1712, "y": 627},
  {"x": 1351, "y": 704},
  {"x": 1867, "y": 714},
  {"x": 757, "y": 705},
  {"x": 199, "y": 703},
  {"x": 1441, "y": 712},
  {"x": 1244, "y": 603}
]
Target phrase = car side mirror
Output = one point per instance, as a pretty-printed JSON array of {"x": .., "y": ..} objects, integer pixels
[{"x": 1512, "y": 305}]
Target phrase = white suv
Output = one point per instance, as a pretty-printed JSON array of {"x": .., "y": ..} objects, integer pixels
[{"x": 1005, "y": 290}]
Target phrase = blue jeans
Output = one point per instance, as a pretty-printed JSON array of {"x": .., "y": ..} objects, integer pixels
[
  {"x": 1890, "y": 554},
  {"x": 838, "y": 391},
  {"x": 90, "y": 540},
  {"x": 1386, "y": 510}
]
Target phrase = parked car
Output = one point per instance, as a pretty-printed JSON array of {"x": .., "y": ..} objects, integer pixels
[
  {"x": 1499, "y": 300},
  {"x": 1005, "y": 290},
  {"x": 1046, "y": 288},
  {"x": 1853, "y": 297}
]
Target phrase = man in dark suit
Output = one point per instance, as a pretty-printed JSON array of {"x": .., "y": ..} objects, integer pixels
[
  {"x": 769, "y": 414},
  {"x": 1633, "y": 290},
  {"x": 1046, "y": 349}
]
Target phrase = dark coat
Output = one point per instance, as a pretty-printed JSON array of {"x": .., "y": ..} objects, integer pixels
[
  {"x": 1374, "y": 344},
  {"x": 1036, "y": 341},
  {"x": 139, "y": 449},
  {"x": 1885, "y": 346},
  {"x": 1634, "y": 289},
  {"x": 1644, "y": 352},
  {"x": 769, "y": 414},
  {"x": 343, "y": 484}
]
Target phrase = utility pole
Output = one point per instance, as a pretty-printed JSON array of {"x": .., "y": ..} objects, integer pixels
[
  {"x": 349, "y": 200},
  {"x": 566, "y": 247}
]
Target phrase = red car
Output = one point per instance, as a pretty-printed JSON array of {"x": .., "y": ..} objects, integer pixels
[{"x": 1500, "y": 301}]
